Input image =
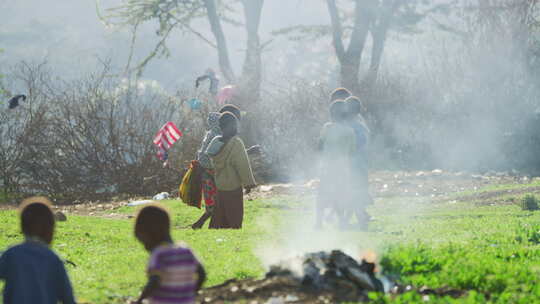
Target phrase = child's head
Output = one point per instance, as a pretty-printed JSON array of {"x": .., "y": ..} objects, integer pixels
[
  {"x": 340, "y": 94},
  {"x": 232, "y": 109},
  {"x": 354, "y": 106},
  {"x": 152, "y": 226},
  {"x": 37, "y": 219},
  {"x": 228, "y": 124},
  {"x": 338, "y": 111}
]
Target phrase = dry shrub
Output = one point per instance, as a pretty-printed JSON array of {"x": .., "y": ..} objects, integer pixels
[{"x": 86, "y": 139}]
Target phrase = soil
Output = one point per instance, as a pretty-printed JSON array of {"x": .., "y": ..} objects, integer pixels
[{"x": 434, "y": 185}]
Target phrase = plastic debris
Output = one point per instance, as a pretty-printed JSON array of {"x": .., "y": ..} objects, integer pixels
[
  {"x": 194, "y": 104},
  {"x": 138, "y": 203},
  {"x": 161, "y": 196}
]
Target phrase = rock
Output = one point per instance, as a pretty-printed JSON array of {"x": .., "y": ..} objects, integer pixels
[{"x": 60, "y": 217}]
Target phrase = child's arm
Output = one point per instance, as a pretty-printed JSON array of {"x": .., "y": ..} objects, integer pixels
[
  {"x": 149, "y": 289},
  {"x": 201, "y": 276}
]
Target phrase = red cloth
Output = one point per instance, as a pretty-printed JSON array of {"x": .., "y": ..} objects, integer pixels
[
  {"x": 209, "y": 187},
  {"x": 165, "y": 138},
  {"x": 225, "y": 94}
]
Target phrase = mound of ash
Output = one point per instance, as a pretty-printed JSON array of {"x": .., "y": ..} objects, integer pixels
[{"x": 320, "y": 277}]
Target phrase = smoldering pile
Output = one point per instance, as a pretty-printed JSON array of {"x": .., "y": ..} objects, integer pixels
[
  {"x": 322, "y": 277},
  {"x": 314, "y": 278}
]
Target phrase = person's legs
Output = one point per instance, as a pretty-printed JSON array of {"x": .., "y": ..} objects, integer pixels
[
  {"x": 234, "y": 213},
  {"x": 363, "y": 199},
  {"x": 210, "y": 195},
  {"x": 218, "y": 219}
]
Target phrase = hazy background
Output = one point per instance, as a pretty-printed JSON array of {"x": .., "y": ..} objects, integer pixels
[{"x": 457, "y": 91}]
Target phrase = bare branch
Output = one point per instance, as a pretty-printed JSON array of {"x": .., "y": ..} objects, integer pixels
[{"x": 337, "y": 30}]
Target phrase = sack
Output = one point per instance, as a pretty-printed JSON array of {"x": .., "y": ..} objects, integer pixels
[{"x": 190, "y": 189}]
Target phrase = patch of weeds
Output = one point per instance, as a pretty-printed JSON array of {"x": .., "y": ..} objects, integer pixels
[{"x": 529, "y": 203}]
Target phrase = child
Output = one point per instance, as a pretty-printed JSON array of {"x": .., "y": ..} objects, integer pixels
[
  {"x": 340, "y": 94},
  {"x": 233, "y": 171},
  {"x": 360, "y": 197},
  {"x": 337, "y": 144},
  {"x": 174, "y": 273},
  {"x": 33, "y": 273},
  {"x": 207, "y": 179}
]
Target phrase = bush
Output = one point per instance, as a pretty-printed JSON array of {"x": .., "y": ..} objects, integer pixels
[
  {"x": 529, "y": 203},
  {"x": 88, "y": 139}
]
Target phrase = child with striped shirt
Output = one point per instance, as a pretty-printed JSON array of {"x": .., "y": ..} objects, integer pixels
[{"x": 174, "y": 273}]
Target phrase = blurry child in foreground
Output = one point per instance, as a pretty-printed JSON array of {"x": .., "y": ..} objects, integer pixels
[
  {"x": 208, "y": 186},
  {"x": 174, "y": 273},
  {"x": 337, "y": 144},
  {"x": 33, "y": 273},
  {"x": 360, "y": 182},
  {"x": 233, "y": 172}
]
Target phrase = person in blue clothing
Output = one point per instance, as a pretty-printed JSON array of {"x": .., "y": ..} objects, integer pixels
[
  {"x": 32, "y": 272},
  {"x": 360, "y": 182}
]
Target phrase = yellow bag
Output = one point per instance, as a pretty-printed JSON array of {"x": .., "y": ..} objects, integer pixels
[{"x": 190, "y": 188}]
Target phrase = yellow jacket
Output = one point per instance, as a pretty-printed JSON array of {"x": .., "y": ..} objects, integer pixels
[{"x": 232, "y": 168}]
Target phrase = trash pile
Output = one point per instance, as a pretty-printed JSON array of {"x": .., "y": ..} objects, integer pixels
[{"x": 320, "y": 277}]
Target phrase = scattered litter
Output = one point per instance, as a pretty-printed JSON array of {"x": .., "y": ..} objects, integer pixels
[
  {"x": 60, "y": 217},
  {"x": 161, "y": 196},
  {"x": 138, "y": 203},
  {"x": 275, "y": 300},
  {"x": 267, "y": 188},
  {"x": 210, "y": 74},
  {"x": 194, "y": 104},
  {"x": 225, "y": 94},
  {"x": 14, "y": 102}
]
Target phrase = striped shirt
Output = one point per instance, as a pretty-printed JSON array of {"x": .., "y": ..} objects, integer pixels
[{"x": 177, "y": 268}]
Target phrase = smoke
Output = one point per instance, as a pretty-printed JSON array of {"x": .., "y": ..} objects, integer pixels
[{"x": 457, "y": 99}]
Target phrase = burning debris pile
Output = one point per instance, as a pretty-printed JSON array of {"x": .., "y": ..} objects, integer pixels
[{"x": 320, "y": 277}]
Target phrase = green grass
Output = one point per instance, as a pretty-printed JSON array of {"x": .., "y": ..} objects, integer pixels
[
  {"x": 498, "y": 187},
  {"x": 494, "y": 251}
]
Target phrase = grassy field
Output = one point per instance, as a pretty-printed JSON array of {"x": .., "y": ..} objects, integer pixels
[{"x": 491, "y": 251}]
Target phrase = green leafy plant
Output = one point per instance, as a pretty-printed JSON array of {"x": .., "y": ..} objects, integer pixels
[{"x": 529, "y": 202}]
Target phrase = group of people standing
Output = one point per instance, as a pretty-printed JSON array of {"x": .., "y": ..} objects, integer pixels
[
  {"x": 33, "y": 273},
  {"x": 344, "y": 162},
  {"x": 343, "y": 142}
]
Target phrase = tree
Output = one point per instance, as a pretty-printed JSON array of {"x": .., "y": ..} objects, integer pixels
[
  {"x": 365, "y": 23},
  {"x": 179, "y": 14}
]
